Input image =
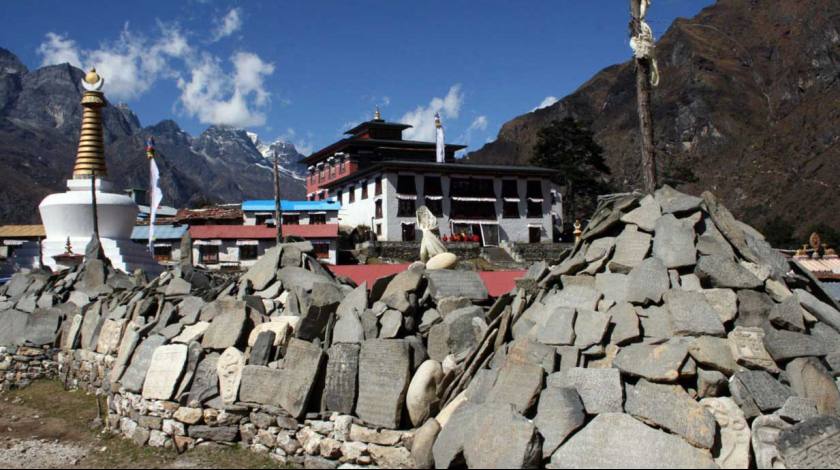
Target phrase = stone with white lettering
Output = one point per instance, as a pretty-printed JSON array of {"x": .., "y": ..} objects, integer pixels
[
  {"x": 341, "y": 383},
  {"x": 384, "y": 374},
  {"x": 447, "y": 283},
  {"x": 756, "y": 389},
  {"x": 165, "y": 369},
  {"x": 813, "y": 443}
]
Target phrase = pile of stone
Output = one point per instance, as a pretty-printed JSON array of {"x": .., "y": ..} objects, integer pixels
[{"x": 671, "y": 335}]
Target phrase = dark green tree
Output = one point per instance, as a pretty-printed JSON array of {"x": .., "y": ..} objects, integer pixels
[{"x": 569, "y": 147}]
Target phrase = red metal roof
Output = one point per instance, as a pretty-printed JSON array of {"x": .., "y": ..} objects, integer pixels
[
  {"x": 261, "y": 232},
  {"x": 497, "y": 282}
]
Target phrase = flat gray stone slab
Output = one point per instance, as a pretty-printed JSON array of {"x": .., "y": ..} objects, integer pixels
[
  {"x": 135, "y": 375},
  {"x": 519, "y": 384},
  {"x": 342, "y": 378},
  {"x": 613, "y": 286},
  {"x": 788, "y": 315},
  {"x": 558, "y": 329},
  {"x": 671, "y": 200},
  {"x": 12, "y": 327},
  {"x": 560, "y": 413},
  {"x": 384, "y": 375},
  {"x": 301, "y": 366},
  {"x": 759, "y": 389},
  {"x": 753, "y": 308},
  {"x": 747, "y": 347},
  {"x": 626, "y": 325},
  {"x": 42, "y": 326},
  {"x": 724, "y": 301},
  {"x": 631, "y": 247},
  {"x": 316, "y": 310},
  {"x": 518, "y": 447},
  {"x": 446, "y": 283},
  {"x": 599, "y": 389},
  {"x": 644, "y": 216},
  {"x": 261, "y": 385},
  {"x": 264, "y": 271},
  {"x": 691, "y": 315},
  {"x": 718, "y": 271},
  {"x": 205, "y": 383},
  {"x": 713, "y": 353},
  {"x": 655, "y": 362},
  {"x": 647, "y": 282},
  {"x": 616, "y": 440},
  {"x": 656, "y": 323},
  {"x": 671, "y": 408},
  {"x": 226, "y": 330},
  {"x": 165, "y": 369},
  {"x": 812, "y": 443},
  {"x": 818, "y": 308},
  {"x": 590, "y": 328},
  {"x": 460, "y": 428},
  {"x": 673, "y": 242},
  {"x": 784, "y": 345}
]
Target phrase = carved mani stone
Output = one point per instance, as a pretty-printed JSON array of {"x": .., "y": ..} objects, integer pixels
[{"x": 734, "y": 449}]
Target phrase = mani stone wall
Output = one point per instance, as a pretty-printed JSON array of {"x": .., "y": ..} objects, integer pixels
[{"x": 672, "y": 335}]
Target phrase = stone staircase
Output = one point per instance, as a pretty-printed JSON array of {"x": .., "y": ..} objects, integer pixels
[{"x": 500, "y": 257}]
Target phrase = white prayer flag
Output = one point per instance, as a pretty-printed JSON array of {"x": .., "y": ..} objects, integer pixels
[
  {"x": 441, "y": 141},
  {"x": 155, "y": 198}
]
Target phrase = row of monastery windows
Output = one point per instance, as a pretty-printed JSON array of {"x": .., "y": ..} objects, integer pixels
[{"x": 326, "y": 173}]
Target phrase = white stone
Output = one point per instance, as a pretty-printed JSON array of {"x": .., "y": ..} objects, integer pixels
[
  {"x": 422, "y": 391},
  {"x": 442, "y": 261},
  {"x": 283, "y": 328},
  {"x": 229, "y": 368},
  {"x": 734, "y": 432},
  {"x": 165, "y": 369},
  {"x": 192, "y": 333}
]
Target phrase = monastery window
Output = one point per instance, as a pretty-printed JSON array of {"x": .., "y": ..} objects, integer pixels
[
  {"x": 163, "y": 253},
  {"x": 377, "y": 188},
  {"x": 378, "y": 210},
  {"x": 291, "y": 219},
  {"x": 364, "y": 189},
  {"x": 379, "y": 229},
  {"x": 406, "y": 208},
  {"x": 247, "y": 252},
  {"x": 262, "y": 219},
  {"x": 510, "y": 189},
  {"x": 208, "y": 254},
  {"x": 351, "y": 194},
  {"x": 338, "y": 196},
  {"x": 473, "y": 210},
  {"x": 409, "y": 233},
  {"x": 535, "y": 208},
  {"x": 473, "y": 189},
  {"x": 535, "y": 190},
  {"x": 434, "y": 195},
  {"x": 406, "y": 185},
  {"x": 510, "y": 209},
  {"x": 342, "y": 167},
  {"x": 322, "y": 249},
  {"x": 317, "y": 219}
]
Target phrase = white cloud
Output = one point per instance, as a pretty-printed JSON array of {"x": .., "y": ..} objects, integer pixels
[
  {"x": 546, "y": 102},
  {"x": 228, "y": 25},
  {"x": 214, "y": 97},
  {"x": 423, "y": 117},
  {"x": 479, "y": 124},
  {"x": 132, "y": 64},
  {"x": 56, "y": 49}
]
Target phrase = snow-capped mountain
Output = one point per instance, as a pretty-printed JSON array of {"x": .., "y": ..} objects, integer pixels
[{"x": 289, "y": 157}]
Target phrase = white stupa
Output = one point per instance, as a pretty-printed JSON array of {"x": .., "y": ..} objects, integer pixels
[{"x": 68, "y": 217}]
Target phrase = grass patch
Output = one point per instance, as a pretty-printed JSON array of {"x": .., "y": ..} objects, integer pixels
[{"x": 70, "y": 413}]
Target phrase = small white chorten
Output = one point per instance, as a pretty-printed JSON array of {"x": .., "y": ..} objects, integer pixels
[{"x": 69, "y": 215}]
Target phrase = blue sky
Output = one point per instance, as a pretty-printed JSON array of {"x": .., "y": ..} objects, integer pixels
[{"x": 306, "y": 71}]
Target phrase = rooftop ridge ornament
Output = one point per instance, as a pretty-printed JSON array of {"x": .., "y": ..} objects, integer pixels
[
  {"x": 90, "y": 156},
  {"x": 377, "y": 116}
]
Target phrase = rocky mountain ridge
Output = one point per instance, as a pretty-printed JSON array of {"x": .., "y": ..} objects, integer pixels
[
  {"x": 40, "y": 117},
  {"x": 747, "y": 103}
]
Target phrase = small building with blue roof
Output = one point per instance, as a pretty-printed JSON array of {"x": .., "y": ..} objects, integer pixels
[{"x": 261, "y": 212}]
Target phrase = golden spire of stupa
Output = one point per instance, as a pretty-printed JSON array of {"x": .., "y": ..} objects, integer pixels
[
  {"x": 90, "y": 158},
  {"x": 377, "y": 116}
]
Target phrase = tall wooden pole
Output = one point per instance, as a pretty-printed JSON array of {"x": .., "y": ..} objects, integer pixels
[
  {"x": 643, "y": 93},
  {"x": 278, "y": 221}
]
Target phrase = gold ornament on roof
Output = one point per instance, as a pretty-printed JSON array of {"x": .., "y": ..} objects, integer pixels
[
  {"x": 377, "y": 116},
  {"x": 90, "y": 156},
  {"x": 438, "y": 125},
  {"x": 815, "y": 241}
]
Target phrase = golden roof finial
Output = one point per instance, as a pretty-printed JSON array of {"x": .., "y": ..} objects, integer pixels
[
  {"x": 437, "y": 121},
  {"x": 377, "y": 116},
  {"x": 90, "y": 156}
]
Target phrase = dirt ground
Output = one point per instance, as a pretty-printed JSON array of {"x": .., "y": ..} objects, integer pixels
[{"x": 44, "y": 426}]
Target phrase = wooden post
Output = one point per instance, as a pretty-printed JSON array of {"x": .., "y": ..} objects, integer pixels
[
  {"x": 643, "y": 93},
  {"x": 278, "y": 220}
]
